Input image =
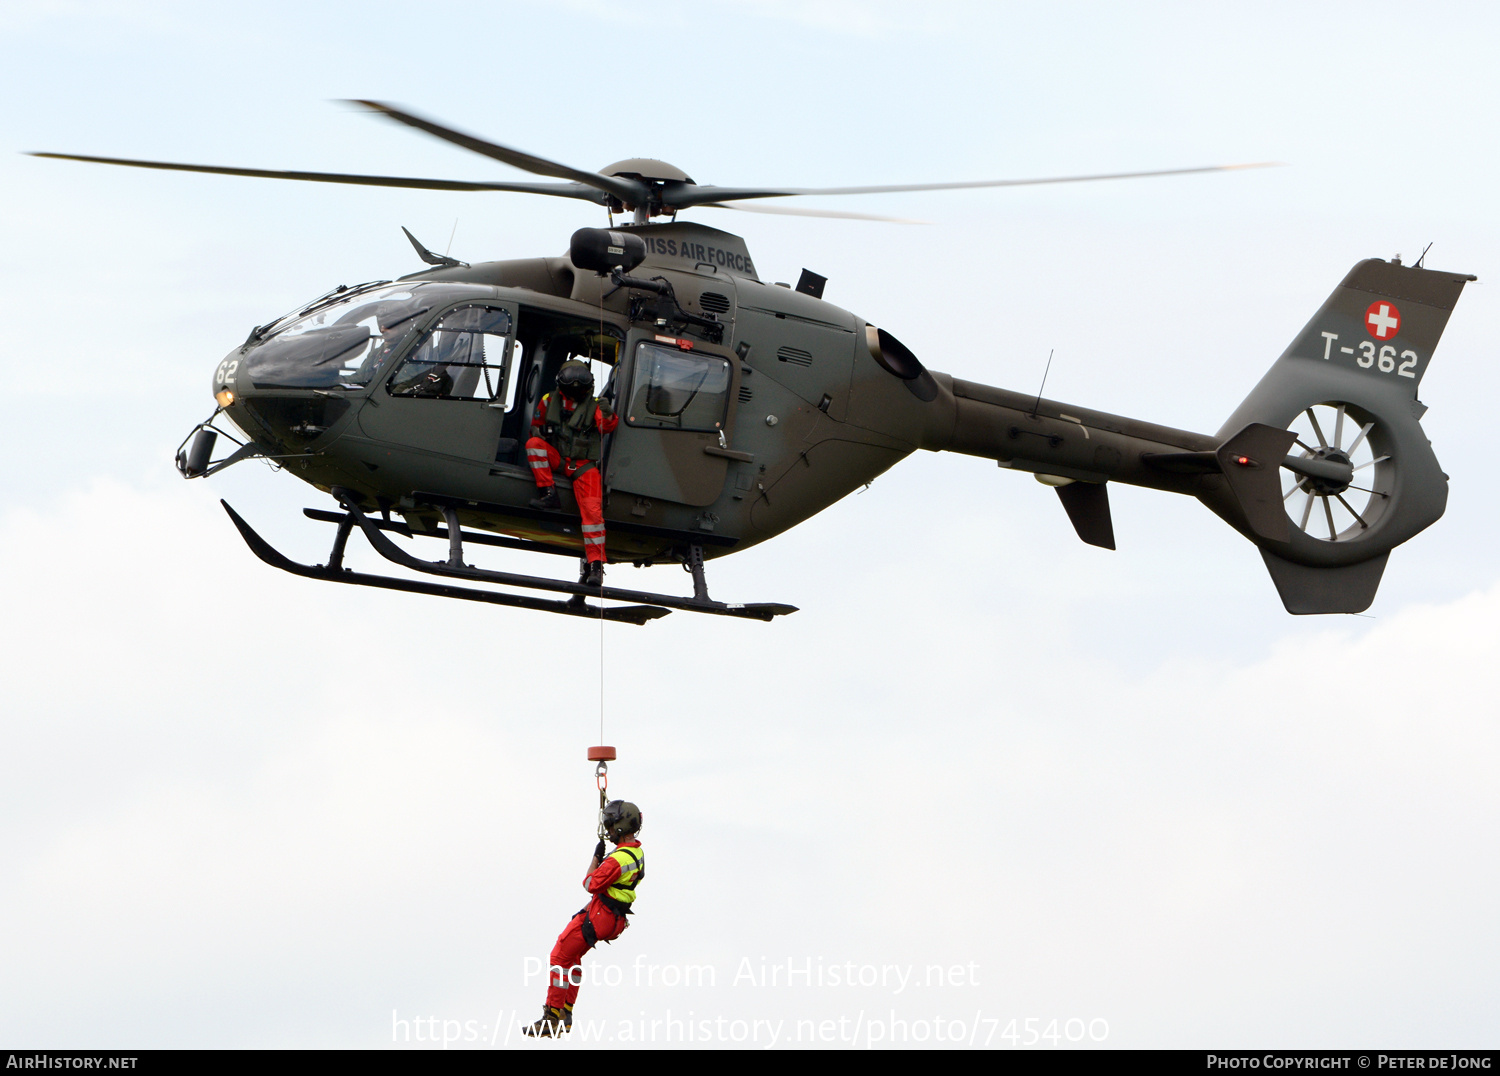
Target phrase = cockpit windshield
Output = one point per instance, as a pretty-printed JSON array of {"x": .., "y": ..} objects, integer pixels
[{"x": 338, "y": 342}]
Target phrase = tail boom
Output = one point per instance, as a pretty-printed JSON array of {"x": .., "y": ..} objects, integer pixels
[{"x": 1360, "y": 359}]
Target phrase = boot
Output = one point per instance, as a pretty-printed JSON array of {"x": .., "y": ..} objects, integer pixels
[
  {"x": 547, "y": 500},
  {"x": 593, "y": 575},
  {"x": 553, "y": 1024}
]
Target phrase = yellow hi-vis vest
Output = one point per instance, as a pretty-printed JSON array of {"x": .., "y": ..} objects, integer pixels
[{"x": 632, "y": 863}]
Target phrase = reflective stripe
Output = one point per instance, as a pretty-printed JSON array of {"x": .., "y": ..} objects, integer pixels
[
  {"x": 632, "y": 862},
  {"x": 594, "y": 527}
]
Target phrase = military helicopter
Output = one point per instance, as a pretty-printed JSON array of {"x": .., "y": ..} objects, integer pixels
[{"x": 747, "y": 407}]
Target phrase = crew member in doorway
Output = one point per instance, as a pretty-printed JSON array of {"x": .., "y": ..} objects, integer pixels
[
  {"x": 611, "y": 880},
  {"x": 569, "y": 428}
]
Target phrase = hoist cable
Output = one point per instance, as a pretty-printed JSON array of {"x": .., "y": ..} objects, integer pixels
[
  {"x": 601, "y": 514},
  {"x": 601, "y": 771}
]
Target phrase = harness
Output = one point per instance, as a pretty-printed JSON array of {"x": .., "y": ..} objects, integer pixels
[
  {"x": 619, "y": 908},
  {"x": 575, "y": 436},
  {"x": 621, "y": 904}
]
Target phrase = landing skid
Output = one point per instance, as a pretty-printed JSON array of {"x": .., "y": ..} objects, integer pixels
[{"x": 651, "y": 606}]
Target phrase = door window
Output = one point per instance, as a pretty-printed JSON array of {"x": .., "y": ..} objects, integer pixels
[
  {"x": 678, "y": 390},
  {"x": 463, "y": 357}
]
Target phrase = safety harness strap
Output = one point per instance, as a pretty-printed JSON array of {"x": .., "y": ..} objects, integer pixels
[
  {"x": 586, "y": 928},
  {"x": 640, "y": 871},
  {"x": 574, "y": 435},
  {"x": 614, "y": 904}
]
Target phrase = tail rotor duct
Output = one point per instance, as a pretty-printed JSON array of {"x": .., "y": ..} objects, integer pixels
[{"x": 1338, "y": 478}]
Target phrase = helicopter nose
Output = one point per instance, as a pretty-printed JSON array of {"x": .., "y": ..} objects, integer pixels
[{"x": 290, "y": 422}]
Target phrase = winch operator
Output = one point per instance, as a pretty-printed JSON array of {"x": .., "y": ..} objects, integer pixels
[
  {"x": 611, "y": 880},
  {"x": 568, "y": 432}
]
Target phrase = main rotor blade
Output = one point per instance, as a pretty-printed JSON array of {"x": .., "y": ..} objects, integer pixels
[
  {"x": 560, "y": 190},
  {"x": 790, "y": 211},
  {"x": 683, "y": 196},
  {"x": 627, "y": 190}
]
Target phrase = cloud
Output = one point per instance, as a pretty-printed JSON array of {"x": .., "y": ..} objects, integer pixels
[{"x": 247, "y": 809}]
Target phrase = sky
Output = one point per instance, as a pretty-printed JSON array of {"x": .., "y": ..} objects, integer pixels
[{"x": 989, "y": 787}]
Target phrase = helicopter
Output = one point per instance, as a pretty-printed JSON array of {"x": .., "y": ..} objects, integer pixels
[{"x": 748, "y": 406}]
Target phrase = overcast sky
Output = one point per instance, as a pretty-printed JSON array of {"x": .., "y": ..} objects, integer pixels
[{"x": 1000, "y": 775}]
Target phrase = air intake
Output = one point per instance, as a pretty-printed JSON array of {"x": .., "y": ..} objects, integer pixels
[
  {"x": 714, "y": 303},
  {"x": 795, "y": 355}
]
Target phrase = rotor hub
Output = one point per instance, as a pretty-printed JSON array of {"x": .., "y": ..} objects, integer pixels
[
  {"x": 655, "y": 176},
  {"x": 1324, "y": 485},
  {"x": 1341, "y": 484}
]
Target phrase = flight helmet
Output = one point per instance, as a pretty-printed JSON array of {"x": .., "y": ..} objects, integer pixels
[
  {"x": 621, "y": 819},
  {"x": 575, "y": 380}
]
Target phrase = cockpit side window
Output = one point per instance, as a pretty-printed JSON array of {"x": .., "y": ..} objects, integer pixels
[
  {"x": 465, "y": 356},
  {"x": 678, "y": 390}
]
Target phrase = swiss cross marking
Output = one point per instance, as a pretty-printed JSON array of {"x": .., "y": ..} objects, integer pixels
[{"x": 1383, "y": 320}]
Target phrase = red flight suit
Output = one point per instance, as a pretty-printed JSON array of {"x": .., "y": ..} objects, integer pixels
[
  {"x": 567, "y": 954},
  {"x": 588, "y": 487}
]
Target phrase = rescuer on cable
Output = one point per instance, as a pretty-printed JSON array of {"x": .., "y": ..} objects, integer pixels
[{"x": 611, "y": 881}]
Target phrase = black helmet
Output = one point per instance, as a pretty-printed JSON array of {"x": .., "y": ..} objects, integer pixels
[
  {"x": 621, "y": 819},
  {"x": 575, "y": 380}
]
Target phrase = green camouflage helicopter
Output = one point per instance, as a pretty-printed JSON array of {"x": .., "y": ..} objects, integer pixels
[{"x": 745, "y": 406}]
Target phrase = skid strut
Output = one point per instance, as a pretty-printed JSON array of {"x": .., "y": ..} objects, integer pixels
[
  {"x": 644, "y": 605},
  {"x": 454, "y": 568},
  {"x": 335, "y": 573}
]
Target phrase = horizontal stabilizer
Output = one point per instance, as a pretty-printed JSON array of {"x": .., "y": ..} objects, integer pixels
[
  {"x": 1347, "y": 589},
  {"x": 1087, "y": 504},
  {"x": 1251, "y": 462}
]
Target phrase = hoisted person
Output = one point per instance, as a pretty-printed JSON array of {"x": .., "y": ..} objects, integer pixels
[
  {"x": 611, "y": 881},
  {"x": 568, "y": 432}
]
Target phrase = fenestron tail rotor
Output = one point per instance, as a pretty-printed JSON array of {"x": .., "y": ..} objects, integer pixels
[{"x": 1336, "y": 481}]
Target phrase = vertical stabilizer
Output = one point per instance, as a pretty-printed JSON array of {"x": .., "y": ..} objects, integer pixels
[{"x": 1359, "y": 476}]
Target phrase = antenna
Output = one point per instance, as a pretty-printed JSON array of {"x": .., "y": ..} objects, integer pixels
[
  {"x": 1423, "y": 258},
  {"x": 1044, "y": 383},
  {"x": 450, "y": 237},
  {"x": 430, "y": 258}
]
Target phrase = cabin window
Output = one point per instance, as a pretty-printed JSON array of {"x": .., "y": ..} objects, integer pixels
[
  {"x": 678, "y": 390},
  {"x": 465, "y": 356}
]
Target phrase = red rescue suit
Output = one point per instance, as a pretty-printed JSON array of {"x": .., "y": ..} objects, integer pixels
[
  {"x": 588, "y": 486},
  {"x": 604, "y": 919}
]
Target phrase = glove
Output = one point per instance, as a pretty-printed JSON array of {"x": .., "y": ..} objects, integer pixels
[
  {"x": 599, "y": 851},
  {"x": 605, "y": 410}
]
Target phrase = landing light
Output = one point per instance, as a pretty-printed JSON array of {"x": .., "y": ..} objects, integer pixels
[{"x": 224, "y": 397}]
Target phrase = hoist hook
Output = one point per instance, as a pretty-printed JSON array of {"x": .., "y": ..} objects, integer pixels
[{"x": 603, "y": 756}]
